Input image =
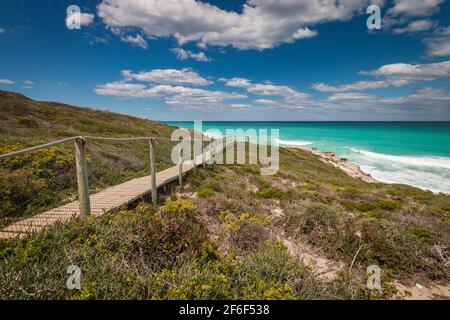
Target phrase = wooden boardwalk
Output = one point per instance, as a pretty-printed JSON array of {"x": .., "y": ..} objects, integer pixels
[{"x": 107, "y": 200}]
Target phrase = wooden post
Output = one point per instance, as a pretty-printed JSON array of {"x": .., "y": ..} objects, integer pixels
[
  {"x": 153, "y": 169},
  {"x": 82, "y": 177},
  {"x": 180, "y": 166},
  {"x": 203, "y": 154},
  {"x": 213, "y": 150}
]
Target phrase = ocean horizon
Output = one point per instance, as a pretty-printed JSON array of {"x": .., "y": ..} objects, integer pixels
[{"x": 408, "y": 152}]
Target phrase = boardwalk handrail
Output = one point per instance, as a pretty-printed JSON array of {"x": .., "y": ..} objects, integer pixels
[
  {"x": 82, "y": 170},
  {"x": 36, "y": 148},
  {"x": 70, "y": 139},
  {"x": 126, "y": 138}
]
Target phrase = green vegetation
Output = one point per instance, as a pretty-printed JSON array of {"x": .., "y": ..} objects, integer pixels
[
  {"x": 147, "y": 254},
  {"x": 44, "y": 179},
  {"x": 228, "y": 233}
]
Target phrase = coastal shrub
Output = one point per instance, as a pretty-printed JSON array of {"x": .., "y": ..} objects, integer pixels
[
  {"x": 234, "y": 223},
  {"x": 137, "y": 255},
  {"x": 270, "y": 273},
  {"x": 402, "y": 251},
  {"x": 180, "y": 207},
  {"x": 313, "y": 218},
  {"x": 273, "y": 273},
  {"x": 245, "y": 231},
  {"x": 362, "y": 206},
  {"x": 366, "y": 206},
  {"x": 205, "y": 192},
  {"x": 117, "y": 253},
  {"x": 270, "y": 193},
  {"x": 388, "y": 205}
]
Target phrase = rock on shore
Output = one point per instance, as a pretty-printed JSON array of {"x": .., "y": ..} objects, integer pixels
[{"x": 349, "y": 168}]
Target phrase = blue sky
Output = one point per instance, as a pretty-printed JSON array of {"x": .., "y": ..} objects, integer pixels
[{"x": 233, "y": 60}]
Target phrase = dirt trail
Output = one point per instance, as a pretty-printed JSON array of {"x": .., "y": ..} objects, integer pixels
[
  {"x": 417, "y": 291},
  {"x": 323, "y": 267}
]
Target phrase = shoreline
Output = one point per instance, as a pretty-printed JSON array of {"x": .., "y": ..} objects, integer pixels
[{"x": 351, "y": 169}]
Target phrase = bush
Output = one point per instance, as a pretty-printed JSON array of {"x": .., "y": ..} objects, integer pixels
[
  {"x": 366, "y": 206},
  {"x": 268, "y": 274},
  {"x": 181, "y": 207},
  {"x": 270, "y": 193},
  {"x": 205, "y": 192},
  {"x": 246, "y": 231},
  {"x": 314, "y": 218},
  {"x": 117, "y": 253},
  {"x": 402, "y": 251}
]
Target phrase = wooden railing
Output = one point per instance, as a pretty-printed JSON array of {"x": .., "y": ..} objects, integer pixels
[{"x": 82, "y": 170}]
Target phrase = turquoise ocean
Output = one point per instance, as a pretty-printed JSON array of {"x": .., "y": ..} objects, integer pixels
[{"x": 414, "y": 153}]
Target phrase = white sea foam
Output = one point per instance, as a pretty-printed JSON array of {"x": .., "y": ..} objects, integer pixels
[
  {"x": 425, "y": 172},
  {"x": 293, "y": 143},
  {"x": 439, "y": 162}
]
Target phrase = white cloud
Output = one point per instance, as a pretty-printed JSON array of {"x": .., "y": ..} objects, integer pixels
[
  {"x": 395, "y": 75},
  {"x": 6, "y": 81},
  {"x": 122, "y": 89},
  {"x": 276, "y": 90},
  {"x": 85, "y": 19},
  {"x": 415, "y": 7},
  {"x": 356, "y": 86},
  {"x": 285, "y": 101},
  {"x": 290, "y": 96},
  {"x": 173, "y": 95},
  {"x": 237, "y": 82},
  {"x": 279, "y": 97},
  {"x": 439, "y": 44},
  {"x": 63, "y": 84},
  {"x": 410, "y": 72},
  {"x": 265, "y": 89},
  {"x": 2, "y": 30},
  {"x": 268, "y": 102},
  {"x": 430, "y": 103},
  {"x": 263, "y": 24},
  {"x": 187, "y": 54},
  {"x": 137, "y": 40},
  {"x": 350, "y": 96},
  {"x": 168, "y": 85},
  {"x": 423, "y": 97},
  {"x": 416, "y": 26},
  {"x": 29, "y": 82},
  {"x": 240, "y": 106},
  {"x": 168, "y": 76}
]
